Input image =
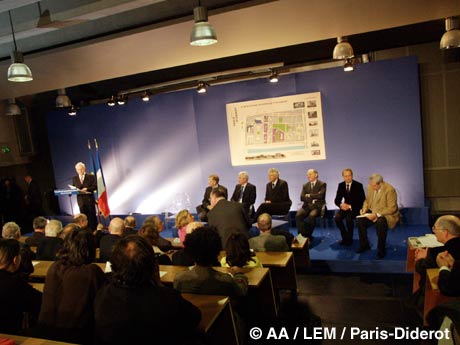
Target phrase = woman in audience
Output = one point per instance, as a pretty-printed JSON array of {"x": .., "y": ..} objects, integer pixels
[
  {"x": 70, "y": 288},
  {"x": 16, "y": 296},
  {"x": 51, "y": 244},
  {"x": 238, "y": 252},
  {"x": 180, "y": 257},
  {"x": 133, "y": 308},
  {"x": 183, "y": 218},
  {"x": 150, "y": 233}
]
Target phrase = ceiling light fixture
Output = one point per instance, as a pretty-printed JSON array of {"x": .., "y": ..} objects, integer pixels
[
  {"x": 18, "y": 70},
  {"x": 146, "y": 96},
  {"x": 202, "y": 87},
  {"x": 73, "y": 110},
  {"x": 203, "y": 33},
  {"x": 342, "y": 50},
  {"x": 348, "y": 66},
  {"x": 273, "y": 78},
  {"x": 12, "y": 109},
  {"x": 62, "y": 100},
  {"x": 122, "y": 99},
  {"x": 111, "y": 102},
  {"x": 451, "y": 38}
]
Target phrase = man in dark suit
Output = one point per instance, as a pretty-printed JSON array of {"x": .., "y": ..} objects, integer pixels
[
  {"x": 203, "y": 209},
  {"x": 277, "y": 201},
  {"x": 449, "y": 274},
  {"x": 267, "y": 241},
  {"x": 313, "y": 196},
  {"x": 33, "y": 200},
  {"x": 116, "y": 229},
  {"x": 86, "y": 184},
  {"x": 349, "y": 199},
  {"x": 245, "y": 192},
  {"x": 226, "y": 216}
]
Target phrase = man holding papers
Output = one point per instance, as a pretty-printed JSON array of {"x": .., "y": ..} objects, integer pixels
[
  {"x": 380, "y": 209},
  {"x": 86, "y": 185}
]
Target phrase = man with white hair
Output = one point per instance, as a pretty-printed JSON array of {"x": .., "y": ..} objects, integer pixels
[
  {"x": 86, "y": 184},
  {"x": 116, "y": 229},
  {"x": 245, "y": 192},
  {"x": 11, "y": 230},
  {"x": 49, "y": 247},
  {"x": 380, "y": 209}
]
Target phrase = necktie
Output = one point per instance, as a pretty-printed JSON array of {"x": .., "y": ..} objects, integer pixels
[
  {"x": 348, "y": 188},
  {"x": 241, "y": 193},
  {"x": 273, "y": 185},
  {"x": 81, "y": 178},
  {"x": 312, "y": 185}
]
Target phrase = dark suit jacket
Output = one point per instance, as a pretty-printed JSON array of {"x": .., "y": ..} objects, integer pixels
[
  {"x": 35, "y": 239},
  {"x": 249, "y": 195},
  {"x": 355, "y": 197},
  {"x": 207, "y": 196},
  {"x": 106, "y": 246},
  {"x": 90, "y": 183},
  {"x": 279, "y": 194},
  {"x": 34, "y": 197},
  {"x": 228, "y": 217},
  {"x": 453, "y": 248},
  {"x": 449, "y": 281},
  {"x": 268, "y": 243},
  {"x": 317, "y": 196},
  {"x": 49, "y": 247}
]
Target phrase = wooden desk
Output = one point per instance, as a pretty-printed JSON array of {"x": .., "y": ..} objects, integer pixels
[
  {"x": 301, "y": 253},
  {"x": 410, "y": 267},
  {"x": 31, "y": 341},
  {"x": 282, "y": 268},
  {"x": 217, "y": 323}
]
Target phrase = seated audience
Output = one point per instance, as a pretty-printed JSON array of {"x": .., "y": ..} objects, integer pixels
[
  {"x": 134, "y": 307},
  {"x": 100, "y": 232},
  {"x": 12, "y": 231},
  {"x": 39, "y": 225},
  {"x": 449, "y": 274},
  {"x": 150, "y": 233},
  {"x": 181, "y": 257},
  {"x": 163, "y": 243},
  {"x": 204, "y": 246},
  {"x": 116, "y": 228},
  {"x": 183, "y": 218},
  {"x": 130, "y": 225},
  {"x": 68, "y": 229},
  {"x": 16, "y": 296},
  {"x": 49, "y": 247},
  {"x": 67, "y": 312},
  {"x": 238, "y": 253},
  {"x": 266, "y": 241},
  {"x": 82, "y": 221}
]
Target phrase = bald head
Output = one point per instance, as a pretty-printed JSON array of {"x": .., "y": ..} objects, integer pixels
[
  {"x": 116, "y": 226},
  {"x": 264, "y": 222}
]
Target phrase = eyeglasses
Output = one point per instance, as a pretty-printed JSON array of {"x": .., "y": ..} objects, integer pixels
[{"x": 434, "y": 229}]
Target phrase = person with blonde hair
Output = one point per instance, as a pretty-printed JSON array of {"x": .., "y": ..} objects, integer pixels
[{"x": 183, "y": 218}]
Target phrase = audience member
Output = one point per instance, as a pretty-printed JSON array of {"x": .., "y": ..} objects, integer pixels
[
  {"x": 449, "y": 274},
  {"x": 277, "y": 199},
  {"x": 116, "y": 228},
  {"x": 39, "y": 225},
  {"x": 266, "y": 241},
  {"x": 245, "y": 193},
  {"x": 150, "y": 233},
  {"x": 204, "y": 208},
  {"x": 68, "y": 229},
  {"x": 134, "y": 308},
  {"x": 313, "y": 195},
  {"x": 81, "y": 220},
  {"x": 12, "y": 231},
  {"x": 238, "y": 253},
  {"x": 49, "y": 247},
  {"x": 16, "y": 295},
  {"x": 130, "y": 226},
  {"x": 183, "y": 218},
  {"x": 163, "y": 243},
  {"x": 226, "y": 216},
  {"x": 67, "y": 312},
  {"x": 181, "y": 257}
]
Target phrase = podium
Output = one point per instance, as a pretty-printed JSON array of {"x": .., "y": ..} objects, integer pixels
[{"x": 69, "y": 192}]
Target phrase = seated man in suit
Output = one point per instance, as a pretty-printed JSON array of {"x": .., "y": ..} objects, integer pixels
[
  {"x": 313, "y": 195},
  {"x": 130, "y": 225},
  {"x": 39, "y": 225},
  {"x": 245, "y": 192},
  {"x": 277, "y": 201},
  {"x": 449, "y": 274},
  {"x": 380, "y": 209},
  {"x": 226, "y": 216},
  {"x": 349, "y": 199},
  {"x": 447, "y": 231},
  {"x": 266, "y": 241},
  {"x": 204, "y": 208},
  {"x": 116, "y": 228},
  {"x": 50, "y": 246}
]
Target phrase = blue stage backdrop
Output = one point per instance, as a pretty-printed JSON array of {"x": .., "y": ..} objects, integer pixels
[{"x": 157, "y": 155}]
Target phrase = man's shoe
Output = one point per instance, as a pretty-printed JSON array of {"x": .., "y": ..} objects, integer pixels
[
  {"x": 346, "y": 242},
  {"x": 362, "y": 249},
  {"x": 380, "y": 255}
]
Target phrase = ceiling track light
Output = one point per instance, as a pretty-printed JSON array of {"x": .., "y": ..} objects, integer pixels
[
  {"x": 273, "y": 78},
  {"x": 203, "y": 33},
  {"x": 348, "y": 66},
  {"x": 202, "y": 87},
  {"x": 62, "y": 100},
  {"x": 12, "y": 109},
  {"x": 146, "y": 96},
  {"x": 112, "y": 101},
  {"x": 18, "y": 70},
  {"x": 73, "y": 110},
  {"x": 451, "y": 38},
  {"x": 342, "y": 50},
  {"x": 122, "y": 99}
]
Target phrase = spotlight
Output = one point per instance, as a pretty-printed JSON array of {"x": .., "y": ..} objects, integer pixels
[
  {"x": 111, "y": 102},
  {"x": 348, "y": 66},
  {"x": 451, "y": 38},
  {"x": 12, "y": 108},
  {"x": 62, "y": 100},
  {"x": 73, "y": 110},
  {"x": 342, "y": 50},
  {"x": 146, "y": 96},
  {"x": 122, "y": 99},
  {"x": 202, "y": 87},
  {"x": 203, "y": 33},
  {"x": 273, "y": 78}
]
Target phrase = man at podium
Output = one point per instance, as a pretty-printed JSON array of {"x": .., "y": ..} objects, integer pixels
[{"x": 86, "y": 185}]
